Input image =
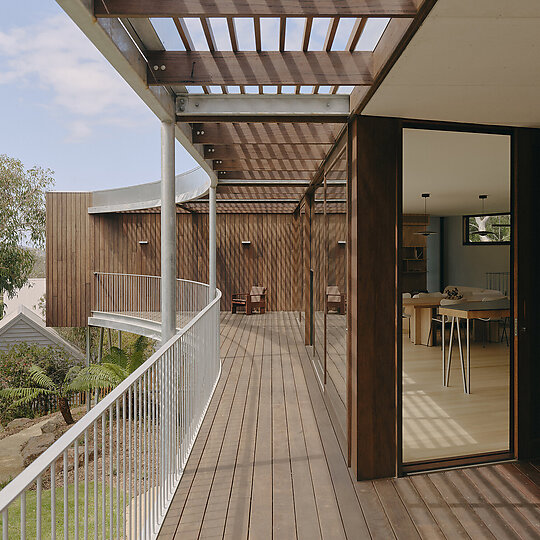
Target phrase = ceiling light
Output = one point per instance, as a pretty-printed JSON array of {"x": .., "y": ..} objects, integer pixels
[{"x": 426, "y": 231}]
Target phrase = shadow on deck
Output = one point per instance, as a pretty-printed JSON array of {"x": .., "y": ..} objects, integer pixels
[{"x": 267, "y": 463}]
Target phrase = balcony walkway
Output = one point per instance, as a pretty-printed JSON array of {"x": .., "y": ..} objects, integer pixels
[{"x": 266, "y": 463}]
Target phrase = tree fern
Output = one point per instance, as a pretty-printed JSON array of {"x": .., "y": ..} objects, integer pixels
[
  {"x": 116, "y": 366},
  {"x": 43, "y": 385}
]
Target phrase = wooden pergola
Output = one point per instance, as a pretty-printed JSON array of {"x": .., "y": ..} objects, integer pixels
[
  {"x": 290, "y": 106},
  {"x": 269, "y": 125}
]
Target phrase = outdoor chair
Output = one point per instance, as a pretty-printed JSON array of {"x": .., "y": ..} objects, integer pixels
[
  {"x": 335, "y": 300},
  {"x": 255, "y": 299}
]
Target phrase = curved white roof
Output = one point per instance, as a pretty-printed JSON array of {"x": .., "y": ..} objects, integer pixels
[{"x": 189, "y": 186}]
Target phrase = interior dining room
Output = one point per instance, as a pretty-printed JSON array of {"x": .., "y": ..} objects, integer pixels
[{"x": 455, "y": 261}]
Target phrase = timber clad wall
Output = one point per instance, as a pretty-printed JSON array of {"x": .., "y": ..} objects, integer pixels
[
  {"x": 80, "y": 244},
  {"x": 70, "y": 285}
]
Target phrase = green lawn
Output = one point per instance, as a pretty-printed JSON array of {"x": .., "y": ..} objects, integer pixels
[{"x": 15, "y": 511}]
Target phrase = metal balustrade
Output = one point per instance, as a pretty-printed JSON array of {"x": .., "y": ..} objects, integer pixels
[
  {"x": 113, "y": 474},
  {"x": 139, "y": 296}
]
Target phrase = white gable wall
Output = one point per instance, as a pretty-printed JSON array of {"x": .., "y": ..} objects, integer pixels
[{"x": 20, "y": 331}]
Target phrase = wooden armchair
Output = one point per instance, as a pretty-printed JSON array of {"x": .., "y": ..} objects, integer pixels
[
  {"x": 335, "y": 300},
  {"x": 255, "y": 299}
]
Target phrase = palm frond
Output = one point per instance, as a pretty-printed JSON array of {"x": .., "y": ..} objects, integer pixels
[
  {"x": 24, "y": 396},
  {"x": 135, "y": 360},
  {"x": 93, "y": 377},
  {"x": 40, "y": 378},
  {"x": 72, "y": 374},
  {"x": 115, "y": 370},
  {"x": 116, "y": 356},
  {"x": 140, "y": 344}
]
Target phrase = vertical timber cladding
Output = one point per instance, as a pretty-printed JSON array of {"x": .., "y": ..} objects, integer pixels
[
  {"x": 79, "y": 244},
  {"x": 69, "y": 253},
  {"x": 375, "y": 206},
  {"x": 268, "y": 261},
  {"x": 526, "y": 150}
]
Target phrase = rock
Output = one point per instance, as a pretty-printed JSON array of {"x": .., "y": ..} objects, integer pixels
[
  {"x": 19, "y": 423},
  {"x": 52, "y": 425},
  {"x": 35, "y": 447}
]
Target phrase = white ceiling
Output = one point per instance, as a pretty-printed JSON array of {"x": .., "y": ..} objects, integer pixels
[
  {"x": 472, "y": 61},
  {"x": 455, "y": 168}
]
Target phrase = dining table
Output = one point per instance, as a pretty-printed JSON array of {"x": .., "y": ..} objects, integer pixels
[
  {"x": 483, "y": 310},
  {"x": 420, "y": 311}
]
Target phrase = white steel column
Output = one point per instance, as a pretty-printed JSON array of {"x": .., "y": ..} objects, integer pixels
[
  {"x": 212, "y": 242},
  {"x": 168, "y": 233}
]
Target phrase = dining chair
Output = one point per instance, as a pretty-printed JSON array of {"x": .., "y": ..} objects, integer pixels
[{"x": 406, "y": 315}]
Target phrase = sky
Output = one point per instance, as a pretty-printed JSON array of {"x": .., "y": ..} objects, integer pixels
[{"x": 63, "y": 107}]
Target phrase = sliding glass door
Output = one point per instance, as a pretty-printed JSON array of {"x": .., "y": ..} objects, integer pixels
[{"x": 455, "y": 262}]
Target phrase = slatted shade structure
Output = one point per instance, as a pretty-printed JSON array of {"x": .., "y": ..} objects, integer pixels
[{"x": 259, "y": 91}]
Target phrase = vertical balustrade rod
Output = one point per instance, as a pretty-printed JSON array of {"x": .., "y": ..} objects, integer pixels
[
  {"x": 87, "y": 364},
  {"x": 103, "y": 477},
  {"x": 76, "y": 488},
  {"x": 145, "y": 457},
  {"x": 86, "y": 485},
  {"x": 23, "y": 515},
  {"x": 111, "y": 499},
  {"x": 38, "y": 507},
  {"x": 66, "y": 496},
  {"x": 96, "y": 482},
  {"x": 139, "y": 455},
  {"x": 117, "y": 469},
  {"x": 124, "y": 531},
  {"x": 53, "y": 501}
]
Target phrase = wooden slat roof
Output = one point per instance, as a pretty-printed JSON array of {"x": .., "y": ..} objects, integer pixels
[{"x": 340, "y": 46}]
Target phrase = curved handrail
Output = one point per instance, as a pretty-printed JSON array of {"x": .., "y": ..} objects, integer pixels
[
  {"x": 41, "y": 464},
  {"x": 187, "y": 367},
  {"x": 149, "y": 276},
  {"x": 123, "y": 299}
]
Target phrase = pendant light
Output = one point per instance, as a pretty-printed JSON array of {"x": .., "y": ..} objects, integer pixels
[
  {"x": 426, "y": 231},
  {"x": 483, "y": 233}
]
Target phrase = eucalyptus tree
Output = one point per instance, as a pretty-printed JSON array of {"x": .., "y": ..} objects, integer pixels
[{"x": 22, "y": 221}]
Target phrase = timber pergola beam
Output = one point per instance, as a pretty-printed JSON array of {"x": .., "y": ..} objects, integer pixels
[
  {"x": 265, "y": 165},
  {"x": 265, "y": 175},
  {"x": 264, "y": 133},
  {"x": 267, "y": 151},
  {"x": 261, "y": 108},
  {"x": 260, "y": 8},
  {"x": 252, "y": 68},
  {"x": 274, "y": 183}
]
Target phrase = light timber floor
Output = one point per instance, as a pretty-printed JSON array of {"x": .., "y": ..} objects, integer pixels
[
  {"x": 441, "y": 421},
  {"x": 267, "y": 464}
]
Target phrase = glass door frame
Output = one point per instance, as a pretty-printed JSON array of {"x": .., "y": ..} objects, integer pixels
[{"x": 477, "y": 458}]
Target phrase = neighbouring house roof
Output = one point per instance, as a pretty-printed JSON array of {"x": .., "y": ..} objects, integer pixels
[{"x": 25, "y": 326}]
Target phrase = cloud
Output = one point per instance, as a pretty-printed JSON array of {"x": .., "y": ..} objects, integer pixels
[{"x": 55, "y": 57}]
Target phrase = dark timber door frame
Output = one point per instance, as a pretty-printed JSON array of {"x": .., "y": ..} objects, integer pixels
[
  {"x": 374, "y": 355},
  {"x": 468, "y": 459}
]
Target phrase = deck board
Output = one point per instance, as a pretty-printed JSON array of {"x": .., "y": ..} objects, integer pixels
[{"x": 267, "y": 463}]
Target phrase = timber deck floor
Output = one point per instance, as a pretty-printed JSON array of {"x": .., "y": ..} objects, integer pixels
[{"x": 267, "y": 464}]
